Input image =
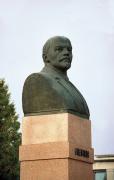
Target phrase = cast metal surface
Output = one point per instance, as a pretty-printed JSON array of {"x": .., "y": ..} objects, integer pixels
[{"x": 50, "y": 91}]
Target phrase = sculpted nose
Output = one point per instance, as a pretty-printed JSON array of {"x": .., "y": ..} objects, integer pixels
[{"x": 66, "y": 52}]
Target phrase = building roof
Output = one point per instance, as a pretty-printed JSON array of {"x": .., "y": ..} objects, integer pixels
[{"x": 105, "y": 157}]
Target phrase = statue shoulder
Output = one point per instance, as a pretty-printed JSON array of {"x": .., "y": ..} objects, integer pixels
[
  {"x": 38, "y": 94},
  {"x": 32, "y": 78},
  {"x": 36, "y": 80}
]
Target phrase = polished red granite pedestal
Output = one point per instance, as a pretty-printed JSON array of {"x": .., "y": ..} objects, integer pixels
[{"x": 56, "y": 147}]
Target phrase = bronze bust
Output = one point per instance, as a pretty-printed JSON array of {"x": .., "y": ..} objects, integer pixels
[{"x": 50, "y": 91}]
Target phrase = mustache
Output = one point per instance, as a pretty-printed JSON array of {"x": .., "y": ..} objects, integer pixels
[{"x": 68, "y": 59}]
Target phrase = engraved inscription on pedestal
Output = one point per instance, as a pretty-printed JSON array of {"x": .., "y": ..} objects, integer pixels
[{"x": 81, "y": 152}]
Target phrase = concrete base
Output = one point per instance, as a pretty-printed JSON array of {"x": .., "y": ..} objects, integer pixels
[
  {"x": 54, "y": 161},
  {"x": 57, "y": 169},
  {"x": 56, "y": 147}
]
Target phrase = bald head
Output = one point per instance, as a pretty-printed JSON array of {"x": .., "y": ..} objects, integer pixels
[
  {"x": 57, "y": 53},
  {"x": 51, "y": 42}
]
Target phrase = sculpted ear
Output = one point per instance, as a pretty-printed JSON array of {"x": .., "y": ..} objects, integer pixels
[{"x": 45, "y": 58}]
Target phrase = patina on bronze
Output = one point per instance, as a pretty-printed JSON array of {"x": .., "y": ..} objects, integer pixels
[{"x": 50, "y": 91}]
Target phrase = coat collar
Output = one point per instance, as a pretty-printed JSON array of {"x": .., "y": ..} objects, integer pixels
[{"x": 54, "y": 73}]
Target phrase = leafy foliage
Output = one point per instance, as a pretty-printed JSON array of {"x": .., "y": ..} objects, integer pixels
[{"x": 10, "y": 138}]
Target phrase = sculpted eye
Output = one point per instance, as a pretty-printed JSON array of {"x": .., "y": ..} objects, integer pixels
[
  {"x": 69, "y": 49},
  {"x": 58, "y": 48}
]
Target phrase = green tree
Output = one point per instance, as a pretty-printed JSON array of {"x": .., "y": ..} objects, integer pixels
[{"x": 10, "y": 137}]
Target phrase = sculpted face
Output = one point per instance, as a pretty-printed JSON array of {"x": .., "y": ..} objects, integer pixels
[{"x": 59, "y": 54}]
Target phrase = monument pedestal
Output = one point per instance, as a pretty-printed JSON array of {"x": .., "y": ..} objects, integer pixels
[{"x": 56, "y": 147}]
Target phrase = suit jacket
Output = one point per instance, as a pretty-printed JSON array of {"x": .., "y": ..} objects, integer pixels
[{"x": 50, "y": 92}]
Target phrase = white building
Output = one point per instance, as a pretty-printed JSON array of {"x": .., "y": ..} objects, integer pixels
[{"x": 103, "y": 167}]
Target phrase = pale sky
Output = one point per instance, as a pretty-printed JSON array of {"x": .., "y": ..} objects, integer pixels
[{"x": 25, "y": 25}]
